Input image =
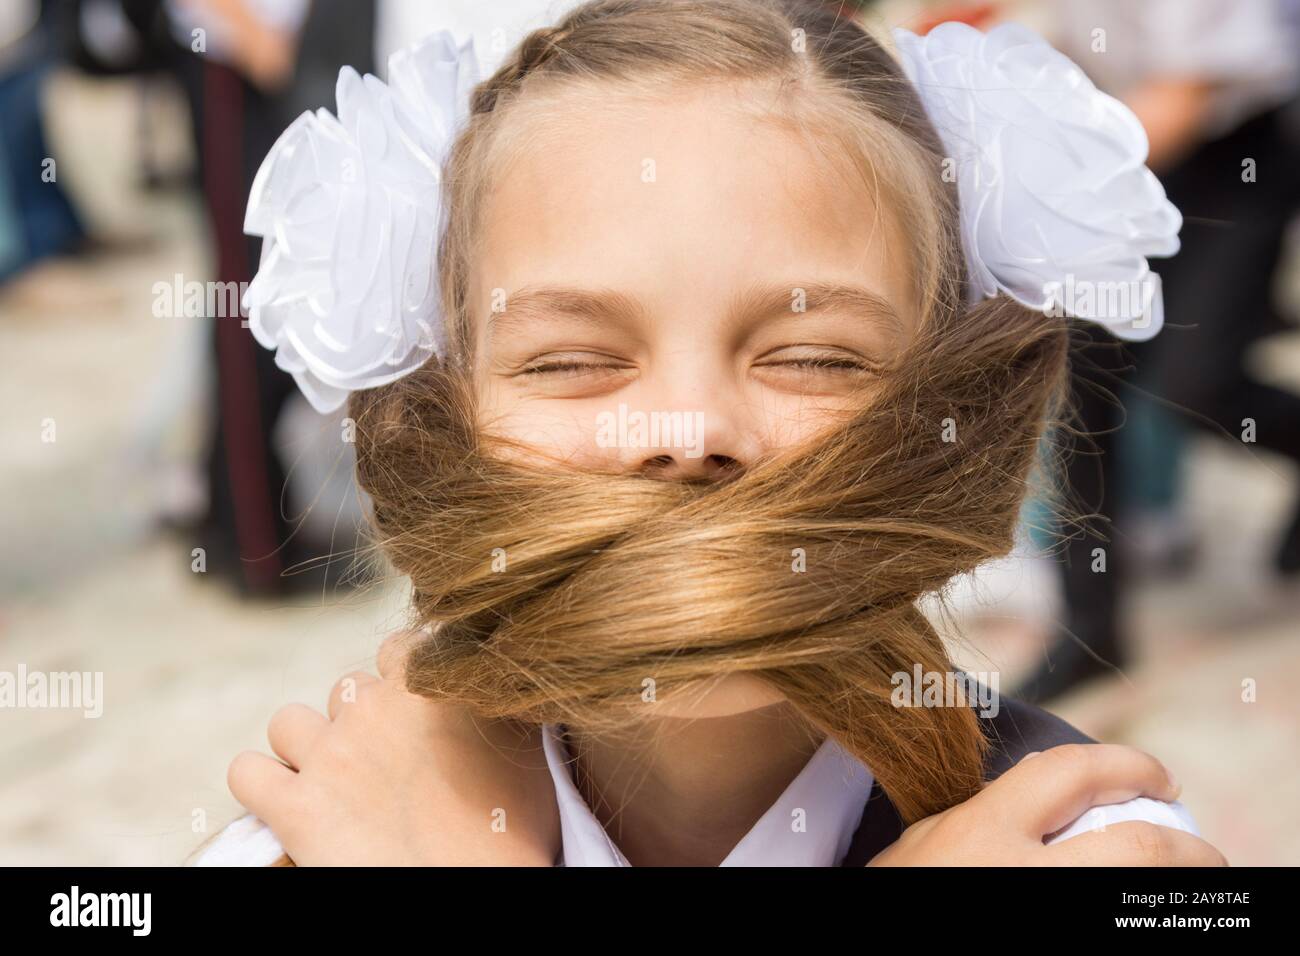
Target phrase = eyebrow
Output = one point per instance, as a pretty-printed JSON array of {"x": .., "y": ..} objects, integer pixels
[
  {"x": 769, "y": 301},
  {"x": 599, "y": 307},
  {"x": 589, "y": 306}
]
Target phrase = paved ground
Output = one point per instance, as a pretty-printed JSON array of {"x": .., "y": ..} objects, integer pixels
[{"x": 191, "y": 674}]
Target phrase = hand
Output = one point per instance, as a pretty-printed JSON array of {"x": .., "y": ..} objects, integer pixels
[
  {"x": 268, "y": 57},
  {"x": 266, "y": 54},
  {"x": 393, "y": 779},
  {"x": 1005, "y": 823}
]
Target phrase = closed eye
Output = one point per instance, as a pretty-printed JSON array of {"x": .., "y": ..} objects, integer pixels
[
  {"x": 820, "y": 363},
  {"x": 562, "y": 367},
  {"x": 550, "y": 368},
  {"x": 846, "y": 365},
  {"x": 837, "y": 361}
]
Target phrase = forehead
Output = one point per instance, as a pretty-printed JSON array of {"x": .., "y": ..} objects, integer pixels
[{"x": 688, "y": 193}]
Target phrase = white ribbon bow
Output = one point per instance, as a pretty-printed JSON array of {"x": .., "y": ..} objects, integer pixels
[
  {"x": 350, "y": 213},
  {"x": 1058, "y": 208}
]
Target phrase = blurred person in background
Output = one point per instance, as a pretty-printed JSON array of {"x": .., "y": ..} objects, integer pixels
[
  {"x": 234, "y": 59},
  {"x": 248, "y": 68},
  {"x": 1214, "y": 83},
  {"x": 37, "y": 220}
]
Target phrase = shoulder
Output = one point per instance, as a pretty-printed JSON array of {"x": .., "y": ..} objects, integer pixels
[
  {"x": 1017, "y": 728},
  {"x": 246, "y": 842}
]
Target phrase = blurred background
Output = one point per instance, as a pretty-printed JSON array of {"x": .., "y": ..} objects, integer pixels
[{"x": 176, "y": 519}]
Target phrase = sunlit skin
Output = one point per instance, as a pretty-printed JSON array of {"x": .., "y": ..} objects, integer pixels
[
  {"x": 698, "y": 269},
  {"x": 736, "y": 205},
  {"x": 679, "y": 296},
  {"x": 701, "y": 267}
]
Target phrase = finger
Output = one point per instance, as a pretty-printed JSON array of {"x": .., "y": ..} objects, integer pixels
[
  {"x": 1047, "y": 792},
  {"x": 1134, "y": 843},
  {"x": 391, "y": 659},
  {"x": 294, "y": 730},
  {"x": 923, "y": 826},
  {"x": 1032, "y": 753},
  {"x": 346, "y": 691},
  {"x": 256, "y": 781}
]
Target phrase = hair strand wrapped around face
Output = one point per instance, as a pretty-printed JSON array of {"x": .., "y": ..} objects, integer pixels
[{"x": 610, "y": 580}]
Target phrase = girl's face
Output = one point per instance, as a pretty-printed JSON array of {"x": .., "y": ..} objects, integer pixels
[{"x": 677, "y": 262}]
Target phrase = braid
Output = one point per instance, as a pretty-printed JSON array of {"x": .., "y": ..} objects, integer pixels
[{"x": 537, "y": 49}]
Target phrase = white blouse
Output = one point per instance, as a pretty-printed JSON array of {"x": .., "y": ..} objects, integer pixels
[{"x": 811, "y": 824}]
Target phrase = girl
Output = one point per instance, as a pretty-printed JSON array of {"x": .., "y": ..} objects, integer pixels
[{"x": 718, "y": 373}]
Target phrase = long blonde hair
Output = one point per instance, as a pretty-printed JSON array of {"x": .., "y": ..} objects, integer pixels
[
  {"x": 610, "y": 579},
  {"x": 614, "y": 580}
]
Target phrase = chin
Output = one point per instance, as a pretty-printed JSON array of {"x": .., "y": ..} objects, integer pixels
[{"x": 732, "y": 695}]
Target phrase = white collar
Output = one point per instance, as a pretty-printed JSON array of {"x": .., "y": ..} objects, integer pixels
[{"x": 831, "y": 790}]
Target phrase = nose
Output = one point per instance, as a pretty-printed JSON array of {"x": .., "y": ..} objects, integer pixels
[
  {"x": 691, "y": 433},
  {"x": 675, "y": 467},
  {"x": 679, "y": 443}
]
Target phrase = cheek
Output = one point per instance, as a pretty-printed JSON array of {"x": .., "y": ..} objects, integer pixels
[
  {"x": 794, "y": 419},
  {"x": 560, "y": 430}
]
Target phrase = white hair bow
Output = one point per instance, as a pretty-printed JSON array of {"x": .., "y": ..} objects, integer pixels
[
  {"x": 1057, "y": 206},
  {"x": 350, "y": 214}
]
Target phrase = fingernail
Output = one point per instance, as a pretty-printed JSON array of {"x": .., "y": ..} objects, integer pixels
[
  {"x": 1032, "y": 753},
  {"x": 1175, "y": 787}
]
